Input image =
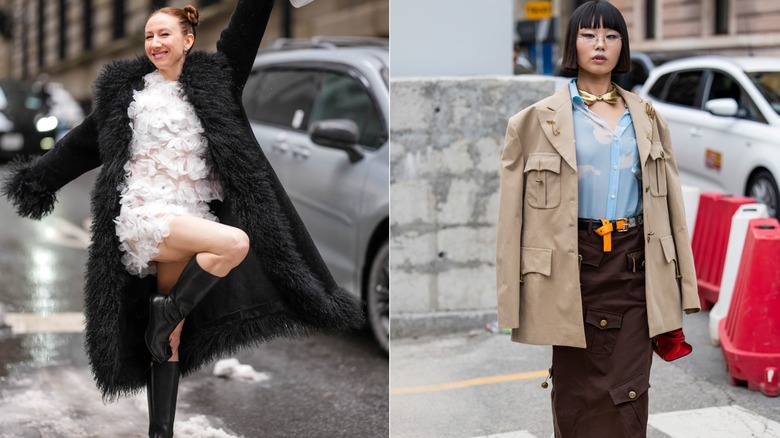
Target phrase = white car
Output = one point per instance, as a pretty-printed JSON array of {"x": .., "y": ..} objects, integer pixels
[{"x": 724, "y": 119}]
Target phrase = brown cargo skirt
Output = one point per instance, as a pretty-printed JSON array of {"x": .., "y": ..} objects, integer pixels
[{"x": 601, "y": 390}]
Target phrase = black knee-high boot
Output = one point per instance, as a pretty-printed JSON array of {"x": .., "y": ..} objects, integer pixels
[
  {"x": 167, "y": 311},
  {"x": 161, "y": 390}
]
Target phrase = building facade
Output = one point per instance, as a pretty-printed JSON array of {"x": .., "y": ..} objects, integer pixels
[
  {"x": 724, "y": 27},
  {"x": 674, "y": 27},
  {"x": 71, "y": 40}
]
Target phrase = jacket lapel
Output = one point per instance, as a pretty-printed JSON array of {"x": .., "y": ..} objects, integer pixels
[
  {"x": 642, "y": 115},
  {"x": 557, "y": 124}
]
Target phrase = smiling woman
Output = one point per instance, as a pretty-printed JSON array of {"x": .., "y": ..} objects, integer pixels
[
  {"x": 169, "y": 36},
  {"x": 186, "y": 194}
]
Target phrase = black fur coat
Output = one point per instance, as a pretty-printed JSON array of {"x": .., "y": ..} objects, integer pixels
[{"x": 282, "y": 288}]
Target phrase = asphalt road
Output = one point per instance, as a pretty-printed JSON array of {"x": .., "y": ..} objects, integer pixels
[
  {"x": 479, "y": 384},
  {"x": 323, "y": 386}
]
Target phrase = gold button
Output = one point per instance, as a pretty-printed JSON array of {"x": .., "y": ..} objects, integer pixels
[
  {"x": 632, "y": 394},
  {"x": 603, "y": 323}
]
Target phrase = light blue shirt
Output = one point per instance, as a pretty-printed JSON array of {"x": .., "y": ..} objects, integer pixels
[{"x": 608, "y": 168}]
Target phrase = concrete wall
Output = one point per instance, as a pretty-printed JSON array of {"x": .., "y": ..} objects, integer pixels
[{"x": 446, "y": 141}]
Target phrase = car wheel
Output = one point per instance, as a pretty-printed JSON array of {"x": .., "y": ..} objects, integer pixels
[
  {"x": 378, "y": 296},
  {"x": 763, "y": 188}
]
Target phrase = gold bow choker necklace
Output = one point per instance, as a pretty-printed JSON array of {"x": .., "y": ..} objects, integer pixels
[{"x": 610, "y": 96}]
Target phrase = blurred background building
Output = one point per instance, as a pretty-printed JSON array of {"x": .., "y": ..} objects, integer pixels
[
  {"x": 71, "y": 40},
  {"x": 671, "y": 27}
]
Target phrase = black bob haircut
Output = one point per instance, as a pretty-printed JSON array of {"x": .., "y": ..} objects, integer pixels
[{"x": 596, "y": 14}]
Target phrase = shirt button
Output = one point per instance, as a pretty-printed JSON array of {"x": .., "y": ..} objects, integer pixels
[
  {"x": 614, "y": 167},
  {"x": 613, "y": 196}
]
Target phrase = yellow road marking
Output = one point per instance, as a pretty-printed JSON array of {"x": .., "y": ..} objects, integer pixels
[{"x": 470, "y": 382}]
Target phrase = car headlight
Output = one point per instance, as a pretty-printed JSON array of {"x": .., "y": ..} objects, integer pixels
[{"x": 46, "y": 124}]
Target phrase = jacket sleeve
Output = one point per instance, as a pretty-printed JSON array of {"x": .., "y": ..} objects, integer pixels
[
  {"x": 682, "y": 241},
  {"x": 510, "y": 225},
  {"x": 32, "y": 185},
  {"x": 240, "y": 41}
]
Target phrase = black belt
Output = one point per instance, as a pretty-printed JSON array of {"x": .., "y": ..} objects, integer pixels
[{"x": 627, "y": 223}]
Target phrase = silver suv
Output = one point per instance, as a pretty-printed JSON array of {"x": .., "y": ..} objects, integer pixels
[{"x": 320, "y": 109}]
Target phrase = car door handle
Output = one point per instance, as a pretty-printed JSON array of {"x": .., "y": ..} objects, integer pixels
[
  {"x": 301, "y": 152},
  {"x": 696, "y": 132},
  {"x": 281, "y": 147}
]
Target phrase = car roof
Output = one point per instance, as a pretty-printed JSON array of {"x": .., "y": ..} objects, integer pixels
[
  {"x": 747, "y": 64},
  {"x": 346, "y": 50}
]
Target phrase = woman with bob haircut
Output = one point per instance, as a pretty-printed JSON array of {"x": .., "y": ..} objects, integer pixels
[
  {"x": 593, "y": 254},
  {"x": 196, "y": 249}
]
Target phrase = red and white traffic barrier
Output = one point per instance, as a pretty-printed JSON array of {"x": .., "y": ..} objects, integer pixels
[
  {"x": 750, "y": 334},
  {"x": 739, "y": 228},
  {"x": 709, "y": 242}
]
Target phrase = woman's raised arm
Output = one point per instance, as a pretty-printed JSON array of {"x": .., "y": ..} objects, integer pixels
[{"x": 241, "y": 39}]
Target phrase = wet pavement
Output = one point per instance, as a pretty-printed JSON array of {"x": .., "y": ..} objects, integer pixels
[{"x": 322, "y": 386}]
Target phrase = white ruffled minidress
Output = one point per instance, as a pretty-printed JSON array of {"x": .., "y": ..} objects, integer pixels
[{"x": 167, "y": 174}]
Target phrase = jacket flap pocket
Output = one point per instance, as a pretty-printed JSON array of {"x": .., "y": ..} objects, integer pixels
[
  {"x": 540, "y": 162},
  {"x": 667, "y": 243},
  {"x": 657, "y": 150},
  {"x": 630, "y": 390},
  {"x": 537, "y": 260},
  {"x": 603, "y": 320}
]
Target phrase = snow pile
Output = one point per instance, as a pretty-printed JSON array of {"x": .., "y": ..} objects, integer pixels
[{"x": 233, "y": 369}]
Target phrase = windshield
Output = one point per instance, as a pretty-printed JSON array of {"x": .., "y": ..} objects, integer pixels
[{"x": 768, "y": 83}]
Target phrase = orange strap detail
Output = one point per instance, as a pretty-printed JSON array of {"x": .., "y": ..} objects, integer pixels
[{"x": 605, "y": 231}]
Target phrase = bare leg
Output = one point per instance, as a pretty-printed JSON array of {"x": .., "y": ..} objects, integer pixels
[{"x": 218, "y": 248}]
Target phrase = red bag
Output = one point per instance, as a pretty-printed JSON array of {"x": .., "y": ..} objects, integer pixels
[{"x": 671, "y": 345}]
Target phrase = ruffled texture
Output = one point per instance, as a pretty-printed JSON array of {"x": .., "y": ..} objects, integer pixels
[{"x": 167, "y": 174}]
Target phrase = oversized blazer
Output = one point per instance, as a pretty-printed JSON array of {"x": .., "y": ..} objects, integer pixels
[
  {"x": 536, "y": 250},
  {"x": 282, "y": 288}
]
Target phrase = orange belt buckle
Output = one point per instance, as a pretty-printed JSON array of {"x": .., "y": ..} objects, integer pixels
[
  {"x": 605, "y": 231},
  {"x": 622, "y": 225}
]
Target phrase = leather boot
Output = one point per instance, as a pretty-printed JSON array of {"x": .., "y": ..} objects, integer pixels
[
  {"x": 167, "y": 311},
  {"x": 161, "y": 390}
]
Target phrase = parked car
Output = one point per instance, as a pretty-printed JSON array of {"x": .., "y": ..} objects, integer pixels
[
  {"x": 25, "y": 125},
  {"x": 33, "y": 116},
  {"x": 320, "y": 109},
  {"x": 642, "y": 63},
  {"x": 724, "y": 118}
]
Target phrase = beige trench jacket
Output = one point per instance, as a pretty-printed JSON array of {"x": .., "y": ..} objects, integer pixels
[{"x": 536, "y": 249}]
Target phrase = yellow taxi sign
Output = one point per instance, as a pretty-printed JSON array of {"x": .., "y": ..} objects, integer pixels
[{"x": 538, "y": 10}]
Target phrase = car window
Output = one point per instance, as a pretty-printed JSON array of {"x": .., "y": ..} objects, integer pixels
[
  {"x": 724, "y": 86},
  {"x": 282, "y": 97},
  {"x": 344, "y": 97},
  {"x": 684, "y": 87},
  {"x": 658, "y": 87},
  {"x": 768, "y": 84}
]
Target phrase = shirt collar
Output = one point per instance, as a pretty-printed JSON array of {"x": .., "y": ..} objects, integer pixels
[{"x": 575, "y": 94}]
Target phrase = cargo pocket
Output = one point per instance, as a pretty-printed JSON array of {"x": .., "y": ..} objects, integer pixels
[
  {"x": 656, "y": 164},
  {"x": 543, "y": 180},
  {"x": 538, "y": 260},
  {"x": 670, "y": 255},
  {"x": 601, "y": 331},
  {"x": 635, "y": 260},
  {"x": 590, "y": 256},
  {"x": 631, "y": 400}
]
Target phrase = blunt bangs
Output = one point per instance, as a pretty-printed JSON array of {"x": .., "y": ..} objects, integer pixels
[{"x": 596, "y": 14}]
